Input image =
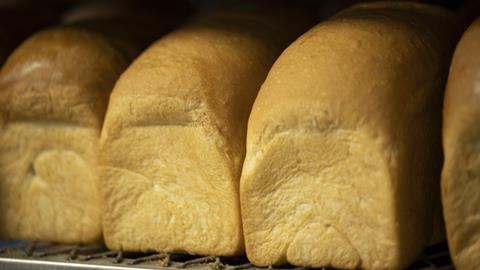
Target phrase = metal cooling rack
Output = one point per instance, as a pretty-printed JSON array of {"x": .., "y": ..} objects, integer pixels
[{"x": 22, "y": 255}]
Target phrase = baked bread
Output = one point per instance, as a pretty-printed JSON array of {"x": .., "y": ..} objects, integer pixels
[
  {"x": 54, "y": 93},
  {"x": 54, "y": 101},
  {"x": 343, "y": 144},
  {"x": 173, "y": 141},
  {"x": 461, "y": 137}
]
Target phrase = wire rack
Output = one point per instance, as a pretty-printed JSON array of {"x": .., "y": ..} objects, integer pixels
[{"x": 20, "y": 255}]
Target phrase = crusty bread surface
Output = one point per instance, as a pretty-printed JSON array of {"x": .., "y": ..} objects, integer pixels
[
  {"x": 461, "y": 142},
  {"x": 343, "y": 143},
  {"x": 174, "y": 137},
  {"x": 53, "y": 101}
]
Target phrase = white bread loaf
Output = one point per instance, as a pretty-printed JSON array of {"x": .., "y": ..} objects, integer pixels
[
  {"x": 55, "y": 89},
  {"x": 173, "y": 142},
  {"x": 54, "y": 93},
  {"x": 461, "y": 142},
  {"x": 343, "y": 143}
]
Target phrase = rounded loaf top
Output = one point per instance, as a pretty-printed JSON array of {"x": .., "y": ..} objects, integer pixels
[
  {"x": 462, "y": 94},
  {"x": 61, "y": 74},
  {"x": 368, "y": 58}
]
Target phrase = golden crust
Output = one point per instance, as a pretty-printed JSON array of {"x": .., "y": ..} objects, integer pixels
[
  {"x": 461, "y": 136},
  {"x": 343, "y": 144},
  {"x": 54, "y": 76},
  {"x": 174, "y": 134}
]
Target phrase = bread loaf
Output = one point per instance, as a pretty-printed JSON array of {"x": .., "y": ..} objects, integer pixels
[
  {"x": 343, "y": 143},
  {"x": 55, "y": 89},
  {"x": 461, "y": 138},
  {"x": 54, "y": 94},
  {"x": 173, "y": 141}
]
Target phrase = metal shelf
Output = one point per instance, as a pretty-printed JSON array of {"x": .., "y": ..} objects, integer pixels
[{"x": 23, "y": 255}]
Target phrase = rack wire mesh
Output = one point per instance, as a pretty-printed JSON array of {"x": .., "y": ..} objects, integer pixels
[{"x": 24, "y": 255}]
